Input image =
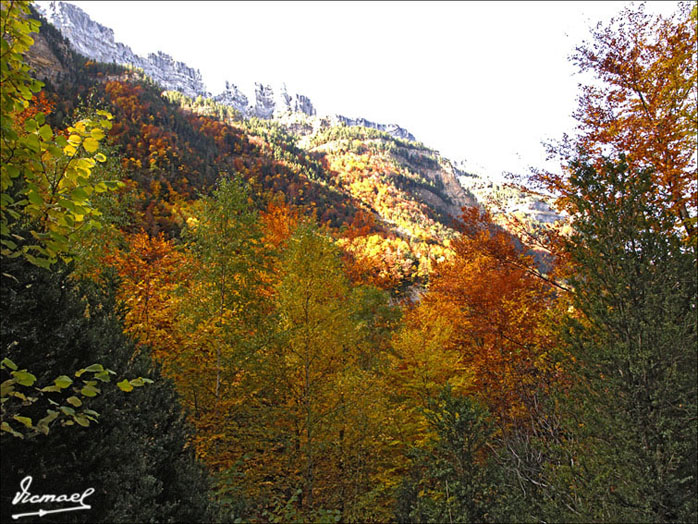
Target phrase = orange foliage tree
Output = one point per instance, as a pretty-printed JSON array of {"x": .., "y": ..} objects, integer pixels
[
  {"x": 645, "y": 105},
  {"x": 151, "y": 269},
  {"x": 497, "y": 307}
]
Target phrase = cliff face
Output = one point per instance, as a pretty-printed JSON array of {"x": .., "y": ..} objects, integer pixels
[
  {"x": 392, "y": 129},
  {"x": 505, "y": 200},
  {"x": 96, "y": 41}
]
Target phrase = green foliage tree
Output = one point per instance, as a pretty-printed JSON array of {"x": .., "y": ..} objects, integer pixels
[
  {"x": 224, "y": 240},
  {"x": 629, "y": 446},
  {"x": 44, "y": 176},
  {"x": 325, "y": 403},
  {"x": 453, "y": 478},
  {"x": 316, "y": 336},
  {"x": 137, "y": 456}
]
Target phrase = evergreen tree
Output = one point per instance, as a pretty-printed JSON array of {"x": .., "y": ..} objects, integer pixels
[
  {"x": 629, "y": 449},
  {"x": 136, "y": 457},
  {"x": 454, "y": 477}
]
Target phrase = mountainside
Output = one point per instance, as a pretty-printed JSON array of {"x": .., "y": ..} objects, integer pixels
[
  {"x": 354, "y": 174},
  {"x": 294, "y": 111},
  {"x": 505, "y": 200}
]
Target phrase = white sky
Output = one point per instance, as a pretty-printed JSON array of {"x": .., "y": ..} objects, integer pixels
[{"x": 481, "y": 81}]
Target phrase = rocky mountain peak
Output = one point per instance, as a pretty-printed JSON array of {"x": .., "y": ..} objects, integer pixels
[{"x": 96, "y": 41}]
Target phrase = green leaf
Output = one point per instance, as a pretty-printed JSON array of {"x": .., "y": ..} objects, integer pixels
[
  {"x": 74, "y": 401},
  {"x": 24, "y": 378},
  {"x": 63, "y": 381},
  {"x": 94, "y": 368},
  {"x": 97, "y": 133},
  {"x": 9, "y": 244},
  {"x": 6, "y": 362},
  {"x": 67, "y": 411},
  {"x": 79, "y": 195},
  {"x": 46, "y": 132},
  {"x": 7, "y": 387},
  {"x": 89, "y": 391},
  {"x": 99, "y": 157},
  {"x": 21, "y": 396},
  {"x": 6, "y": 427},
  {"x": 125, "y": 385},
  {"x": 32, "y": 142},
  {"x": 82, "y": 420},
  {"x": 30, "y": 125},
  {"x": 103, "y": 376},
  {"x": 43, "y": 424},
  {"x": 34, "y": 198},
  {"x": 24, "y": 420}
]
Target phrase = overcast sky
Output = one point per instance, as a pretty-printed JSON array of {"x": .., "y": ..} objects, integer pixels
[{"x": 480, "y": 81}]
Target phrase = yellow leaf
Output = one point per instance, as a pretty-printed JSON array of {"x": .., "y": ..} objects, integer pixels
[{"x": 90, "y": 145}]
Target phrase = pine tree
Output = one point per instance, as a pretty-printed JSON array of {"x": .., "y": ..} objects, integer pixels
[
  {"x": 630, "y": 447},
  {"x": 137, "y": 456}
]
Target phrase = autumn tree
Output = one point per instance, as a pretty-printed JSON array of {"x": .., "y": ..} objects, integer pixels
[
  {"x": 222, "y": 314},
  {"x": 497, "y": 301},
  {"x": 323, "y": 386},
  {"x": 150, "y": 269},
  {"x": 314, "y": 315},
  {"x": 642, "y": 104}
]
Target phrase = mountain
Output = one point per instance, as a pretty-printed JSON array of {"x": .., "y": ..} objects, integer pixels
[
  {"x": 96, "y": 41},
  {"x": 295, "y": 111},
  {"x": 390, "y": 200}
]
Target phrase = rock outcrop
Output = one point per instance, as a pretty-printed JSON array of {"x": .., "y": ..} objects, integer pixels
[
  {"x": 505, "y": 200},
  {"x": 96, "y": 41},
  {"x": 392, "y": 129}
]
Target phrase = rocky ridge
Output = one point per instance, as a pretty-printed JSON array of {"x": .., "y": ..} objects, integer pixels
[
  {"x": 96, "y": 42},
  {"x": 506, "y": 200}
]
